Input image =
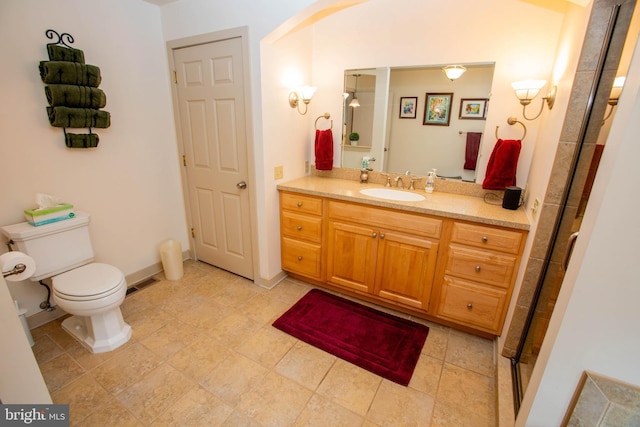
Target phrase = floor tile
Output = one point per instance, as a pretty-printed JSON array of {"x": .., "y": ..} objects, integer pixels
[
  {"x": 471, "y": 352},
  {"x": 426, "y": 375},
  {"x": 198, "y": 407},
  {"x": 234, "y": 377},
  {"x": 155, "y": 392},
  {"x": 350, "y": 386},
  {"x": 59, "y": 371},
  {"x": 267, "y": 346},
  {"x": 171, "y": 338},
  {"x": 263, "y": 309},
  {"x": 322, "y": 412},
  {"x": 305, "y": 364},
  {"x": 84, "y": 396},
  {"x": 112, "y": 413},
  {"x": 462, "y": 388},
  {"x": 275, "y": 401},
  {"x": 45, "y": 349},
  {"x": 126, "y": 368},
  {"x": 395, "y": 405}
]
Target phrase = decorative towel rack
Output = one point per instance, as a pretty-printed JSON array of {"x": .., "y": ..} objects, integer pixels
[
  {"x": 512, "y": 121},
  {"x": 325, "y": 116}
]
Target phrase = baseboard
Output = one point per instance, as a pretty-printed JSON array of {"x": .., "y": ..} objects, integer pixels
[
  {"x": 271, "y": 283},
  {"x": 44, "y": 316}
]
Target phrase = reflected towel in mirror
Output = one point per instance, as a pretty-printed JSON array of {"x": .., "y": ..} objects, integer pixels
[{"x": 471, "y": 150}]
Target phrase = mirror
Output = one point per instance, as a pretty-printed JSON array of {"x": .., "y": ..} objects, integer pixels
[{"x": 394, "y": 130}]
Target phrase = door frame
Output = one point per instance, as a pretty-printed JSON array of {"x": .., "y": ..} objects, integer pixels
[{"x": 216, "y": 36}]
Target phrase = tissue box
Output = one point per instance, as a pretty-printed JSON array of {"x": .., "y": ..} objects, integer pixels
[{"x": 48, "y": 215}]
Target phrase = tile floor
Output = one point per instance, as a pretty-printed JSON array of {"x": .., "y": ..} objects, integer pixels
[{"x": 203, "y": 352}]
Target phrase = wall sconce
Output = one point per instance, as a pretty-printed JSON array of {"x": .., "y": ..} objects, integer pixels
[
  {"x": 618, "y": 83},
  {"x": 453, "y": 72},
  {"x": 304, "y": 94},
  {"x": 354, "y": 102},
  {"x": 528, "y": 89}
]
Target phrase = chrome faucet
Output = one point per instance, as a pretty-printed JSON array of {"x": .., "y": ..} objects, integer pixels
[{"x": 398, "y": 180}]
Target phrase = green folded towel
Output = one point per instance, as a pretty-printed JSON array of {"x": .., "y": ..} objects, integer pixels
[
  {"x": 72, "y": 73},
  {"x": 75, "y": 96},
  {"x": 81, "y": 140},
  {"x": 61, "y": 53},
  {"x": 66, "y": 117}
]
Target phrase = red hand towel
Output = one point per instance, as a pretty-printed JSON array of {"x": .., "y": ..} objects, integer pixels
[
  {"x": 501, "y": 169},
  {"x": 471, "y": 150},
  {"x": 324, "y": 149}
]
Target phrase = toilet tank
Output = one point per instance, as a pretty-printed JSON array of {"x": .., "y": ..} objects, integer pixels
[{"x": 56, "y": 247}]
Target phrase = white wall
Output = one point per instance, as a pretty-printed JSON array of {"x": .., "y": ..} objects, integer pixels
[
  {"x": 130, "y": 184},
  {"x": 596, "y": 321}
]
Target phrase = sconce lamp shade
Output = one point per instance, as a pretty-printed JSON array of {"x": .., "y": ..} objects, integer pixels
[
  {"x": 454, "y": 72},
  {"x": 354, "y": 102},
  {"x": 304, "y": 94},
  {"x": 618, "y": 83},
  {"x": 526, "y": 90}
]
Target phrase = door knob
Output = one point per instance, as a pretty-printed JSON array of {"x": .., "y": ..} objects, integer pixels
[{"x": 241, "y": 185}]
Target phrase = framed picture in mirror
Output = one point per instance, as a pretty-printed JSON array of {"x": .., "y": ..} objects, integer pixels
[
  {"x": 408, "y": 107},
  {"x": 437, "y": 109},
  {"x": 473, "y": 109}
]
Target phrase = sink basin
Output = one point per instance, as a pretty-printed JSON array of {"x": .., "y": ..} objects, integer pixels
[{"x": 390, "y": 194}]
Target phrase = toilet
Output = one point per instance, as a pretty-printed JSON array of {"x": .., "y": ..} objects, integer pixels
[{"x": 91, "y": 292}]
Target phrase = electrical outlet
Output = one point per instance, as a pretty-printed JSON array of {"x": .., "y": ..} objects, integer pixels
[
  {"x": 306, "y": 166},
  {"x": 534, "y": 208},
  {"x": 278, "y": 172}
]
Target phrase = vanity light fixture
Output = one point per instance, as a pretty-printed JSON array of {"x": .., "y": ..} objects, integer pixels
[
  {"x": 618, "y": 83},
  {"x": 526, "y": 90},
  {"x": 453, "y": 72},
  {"x": 304, "y": 94},
  {"x": 354, "y": 102}
]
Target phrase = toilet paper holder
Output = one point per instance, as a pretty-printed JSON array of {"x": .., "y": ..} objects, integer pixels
[{"x": 17, "y": 269}]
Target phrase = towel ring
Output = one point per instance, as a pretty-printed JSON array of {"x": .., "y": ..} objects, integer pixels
[
  {"x": 326, "y": 116},
  {"x": 513, "y": 121}
]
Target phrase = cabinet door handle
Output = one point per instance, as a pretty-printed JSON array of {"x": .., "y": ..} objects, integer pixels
[
  {"x": 299, "y": 227},
  {"x": 382, "y": 235},
  {"x": 299, "y": 258},
  {"x": 478, "y": 268},
  {"x": 299, "y": 204},
  {"x": 485, "y": 239},
  {"x": 374, "y": 234},
  {"x": 469, "y": 306}
]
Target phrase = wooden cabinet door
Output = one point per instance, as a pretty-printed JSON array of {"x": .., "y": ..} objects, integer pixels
[
  {"x": 352, "y": 256},
  {"x": 405, "y": 268}
]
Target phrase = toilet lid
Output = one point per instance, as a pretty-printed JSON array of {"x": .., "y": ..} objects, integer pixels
[{"x": 88, "y": 280}]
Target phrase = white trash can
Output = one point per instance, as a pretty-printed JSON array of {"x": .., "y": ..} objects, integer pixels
[{"x": 171, "y": 256}]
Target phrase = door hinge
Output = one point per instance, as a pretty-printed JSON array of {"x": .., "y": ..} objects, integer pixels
[
  {"x": 193, "y": 232},
  {"x": 175, "y": 76},
  {"x": 184, "y": 160}
]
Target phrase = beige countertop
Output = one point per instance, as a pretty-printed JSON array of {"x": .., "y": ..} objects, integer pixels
[{"x": 442, "y": 204}]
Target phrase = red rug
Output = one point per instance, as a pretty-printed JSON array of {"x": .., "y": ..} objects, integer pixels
[{"x": 386, "y": 345}]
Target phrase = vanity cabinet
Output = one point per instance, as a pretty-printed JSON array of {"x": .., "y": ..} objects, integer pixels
[
  {"x": 455, "y": 272},
  {"x": 389, "y": 254},
  {"x": 301, "y": 234},
  {"x": 480, "y": 265}
]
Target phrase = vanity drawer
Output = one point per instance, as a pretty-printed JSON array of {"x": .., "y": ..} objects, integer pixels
[
  {"x": 301, "y": 203},
  {"x": 386, "y": 219},
  {"x": 301, "y": 257},
  {"x": 301, "y": 226},
  {"x": 487, "y": 237},
  {"x": 481, "y": 266},
  {"x": 474, "y": 305}
]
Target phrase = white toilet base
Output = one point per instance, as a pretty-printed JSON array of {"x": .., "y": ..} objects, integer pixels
[{"x": 101, "y": 332}]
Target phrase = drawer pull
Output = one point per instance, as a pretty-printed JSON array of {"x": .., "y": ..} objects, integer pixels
[
  {"x": 382, "y": 235},
  {"x": 469, "y": 306},
  {"x": 478, "y": 268},
  {"x": 299, "y": 258},
  {"x": 299, "y": 227},
  {"x": 485, "y": 239},
  {"x": 299, "y": 204},
  {"x": 374, "y": 234}
]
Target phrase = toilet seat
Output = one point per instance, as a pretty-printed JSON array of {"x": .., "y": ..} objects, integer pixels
[{"x": 88, "y": 282}]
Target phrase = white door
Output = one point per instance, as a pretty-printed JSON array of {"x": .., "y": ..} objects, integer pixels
[{"x": 212, "y": 120}]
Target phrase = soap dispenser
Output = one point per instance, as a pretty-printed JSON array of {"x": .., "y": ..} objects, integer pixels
[{"x": 430, "y": 182}]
